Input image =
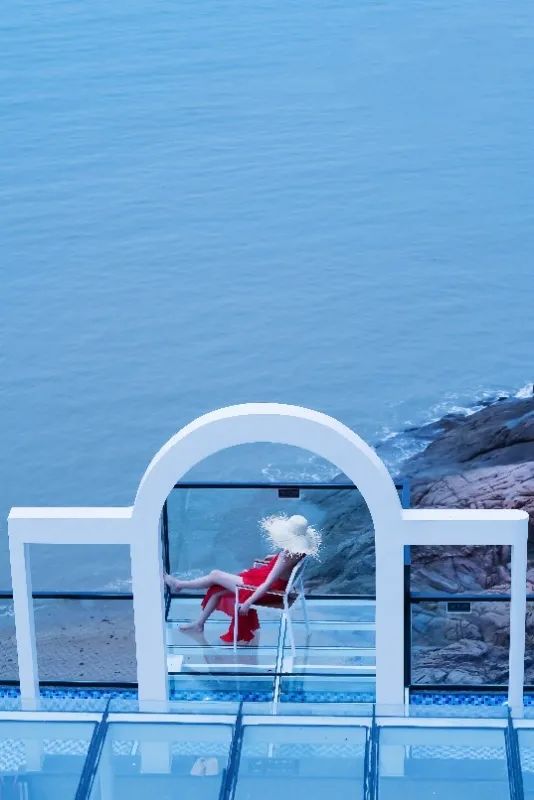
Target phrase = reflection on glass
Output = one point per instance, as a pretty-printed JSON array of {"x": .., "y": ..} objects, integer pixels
[
  {"x": 162, "y": 760},
  {"x": 314, "y": 762},
  {"x": 218, "y": 528},
  {"x": 460, "y": 644},
  {"x": 41, "y": 761},
  {"x": 526, "y": 749},
  {"x": 457, "y": 763}
]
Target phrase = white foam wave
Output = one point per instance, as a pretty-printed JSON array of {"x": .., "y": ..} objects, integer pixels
[
  {"x": 526, "y": 391},
  {"x": 119, "y": 585},
  {"x": 313, "y": 470},
  {"x": 396, "y": 446}
]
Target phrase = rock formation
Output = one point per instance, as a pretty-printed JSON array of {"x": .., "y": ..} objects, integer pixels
[{"x": 484, "y": 460}]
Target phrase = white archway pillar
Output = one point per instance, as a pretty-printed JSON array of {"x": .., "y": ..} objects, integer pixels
[
  {"x": 149, "y": 620},
  {"x": 299, "y": 427},
  {"x": 19, "y": 556}
]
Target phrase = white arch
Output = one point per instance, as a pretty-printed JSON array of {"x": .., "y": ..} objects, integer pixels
[
  {"x": 281, "y": 424},
  {"x": 269, "y": 422}
]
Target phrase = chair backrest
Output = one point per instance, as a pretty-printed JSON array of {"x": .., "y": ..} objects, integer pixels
[{"x": 296, "y": 574}]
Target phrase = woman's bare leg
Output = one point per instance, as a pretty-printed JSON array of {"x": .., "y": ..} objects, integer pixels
[
  {"x": 216, "y": 576},
  {"x": 207, "y": 611}
]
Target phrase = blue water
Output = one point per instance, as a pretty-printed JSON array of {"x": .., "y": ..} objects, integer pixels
[{"x": 203, "y": 203}]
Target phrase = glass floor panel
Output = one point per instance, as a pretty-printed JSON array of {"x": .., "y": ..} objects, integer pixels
[
  {"x": 340, "y": 643},
  {"x": 315, "y": 762},
  {"x": 42, "y": 761},
  {"x": 339, "y": 611},
  {"x": 320, "y": 634},
  {"x": 442, "y": 763},
  {"x": 162, "y": 760},
  {"x": 526, "y": 750},
  {"x": 267, "y": 635},
  {"x": 335, "y": 611},
  {"x": 204, "y": 659}
]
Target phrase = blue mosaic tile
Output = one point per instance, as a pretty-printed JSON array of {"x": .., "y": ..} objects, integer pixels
[
  {"x": 327, "y": 697},
  {"x": 72, "y": 699},
  {"x": 461, "y": 699},
  {"x": 228, "y": 696},
  {"x": 65, "y": 699}
]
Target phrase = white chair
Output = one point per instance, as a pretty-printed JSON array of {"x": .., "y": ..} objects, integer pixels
[{"x": 293, "y": 591}]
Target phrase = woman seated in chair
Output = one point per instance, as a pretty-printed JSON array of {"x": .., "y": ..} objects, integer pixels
[{"x": 293, "y": 538}]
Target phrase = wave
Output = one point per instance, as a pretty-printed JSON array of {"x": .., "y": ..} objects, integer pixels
[{"x": 396, "y": 446}]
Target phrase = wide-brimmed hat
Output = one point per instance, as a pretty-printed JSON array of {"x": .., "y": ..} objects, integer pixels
[{"x": 293, "y": 534}]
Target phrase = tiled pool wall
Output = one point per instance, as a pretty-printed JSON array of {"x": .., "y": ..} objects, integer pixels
[{"x": 88, "y": 698}]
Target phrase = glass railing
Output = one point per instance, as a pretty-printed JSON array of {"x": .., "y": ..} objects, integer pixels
[
  {"x": 207, "y": 526},
  {"x": 457, "y": 635},
  {"x": 457, "y": 618},
  {"x": 82, "y": 639},
  {"x": 460, "y": 641}
]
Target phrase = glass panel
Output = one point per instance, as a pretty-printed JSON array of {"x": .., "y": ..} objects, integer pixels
[
  {"x": 222, "y": 687},
  {"x": 461, "y": 645},
  {"x": 225, "y": 522},
  {"x": 465, "y": 568},
  {"x": 459, "y": 763},
  {"x": 132, "y": 705},
  {"x": 336, "y": 611},
  {"x": 8, "y": 646},
  {"x": 336, "y": 688},
  {"x": 340, "y": 646},
  {"x": 526, "y": 749},
  {"x": 42, "y": 761},
  {"x": 80, "y": 568},
  {"x": 311, "y": 761},
  {"x": 309, "y": 709},
  {"x": 162, "y": 760},
  {"x": 355, "y": 635},
  {"x": 85, "y": 640},
  {"x": 462, "y": 704}
]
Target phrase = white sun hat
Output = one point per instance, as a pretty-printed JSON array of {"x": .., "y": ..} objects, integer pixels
[{"x": 293, "y": 534}]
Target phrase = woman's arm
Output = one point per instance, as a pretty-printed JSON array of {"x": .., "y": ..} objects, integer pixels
[{"x": 283, "y": 562}]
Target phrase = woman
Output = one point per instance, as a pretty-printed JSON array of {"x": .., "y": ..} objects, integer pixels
[{"x": 293, "y": 538}]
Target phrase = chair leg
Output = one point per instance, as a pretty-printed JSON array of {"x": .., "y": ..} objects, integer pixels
[
  {"x": 290, "y": 632},
  {"x": 304, "y": 611},
  {"x": 236, "y": 613}
]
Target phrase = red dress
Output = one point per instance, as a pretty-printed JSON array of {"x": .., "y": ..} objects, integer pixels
[{"x": 247, "y": 624}]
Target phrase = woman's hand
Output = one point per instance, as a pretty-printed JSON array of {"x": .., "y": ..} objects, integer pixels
[{"x": 244, "y": 608}]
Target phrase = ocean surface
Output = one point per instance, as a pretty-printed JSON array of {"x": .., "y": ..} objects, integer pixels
[{"x": 205, "y": 203}]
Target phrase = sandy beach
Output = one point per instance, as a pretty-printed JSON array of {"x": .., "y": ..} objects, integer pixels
[{"x": 83, "y": 641}]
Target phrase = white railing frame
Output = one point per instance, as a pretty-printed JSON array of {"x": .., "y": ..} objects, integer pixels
[{"x": 138, "y": 527}]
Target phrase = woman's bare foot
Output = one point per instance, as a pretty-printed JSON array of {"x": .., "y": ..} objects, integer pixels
[
  {"x": 192, "y": 627},
  {"x": 172, "y": 583}
]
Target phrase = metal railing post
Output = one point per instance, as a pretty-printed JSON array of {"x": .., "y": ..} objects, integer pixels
[
  {"x": 371, "y": 761},
  {"x": 407, "y": 619},
  {"x": 405, "y": 502},
  {"x": 513, "y": 761},
  {"x": 92, "y": 759},
  {"x": 166, "y": 554},
  {"x": 229, "y": 779}
]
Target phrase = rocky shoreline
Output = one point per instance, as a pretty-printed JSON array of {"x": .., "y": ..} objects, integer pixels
[{"x": 483, "y": 460}]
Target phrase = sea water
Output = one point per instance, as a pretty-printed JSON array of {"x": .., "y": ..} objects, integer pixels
[{"x": 206, "y": 203}]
